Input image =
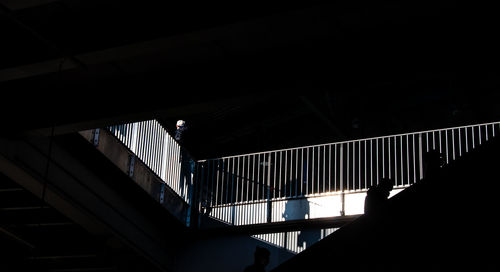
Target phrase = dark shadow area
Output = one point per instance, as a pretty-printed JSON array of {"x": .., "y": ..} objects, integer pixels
[{"x": 446, "y": 222}]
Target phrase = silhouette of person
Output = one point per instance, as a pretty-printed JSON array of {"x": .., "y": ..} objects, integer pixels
[
  {"x": 433, "y": 160},
  {"x": 261, "y": 260},
  {"x": 180, "y": 132},
  {"x": 378, "y": 195},
  {"x": 186, "y": 162}
]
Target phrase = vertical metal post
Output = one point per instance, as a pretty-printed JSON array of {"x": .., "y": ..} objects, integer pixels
[
  {"x": 453, "y": 143},
  {"x": 383, "y": 157},
  {"x": 359, "y": 165},
  {"x": 258, "y": 181},
  {"x": 312, "y": 171},
  {"x": 389, "y": 155},
  {"x": 329, "y": 168},
  {"x": 341, "y": 176},
  {"x": 407, "y": 160},
  {"x": 335, "y": 168},
  {"x": 479, "y": 136},
  {"x": 366, "y": 180},
  {"x": 269, "y": 203},
  {"x": 376, "y": 161},
  {"x": 401, "y": 157},
  {"x": 446, "y": 146},
  {"x": 395, "y": 160},
  {"x": 324, "y": 170},
  {"x": 420, "y": 156},
  {"x": 371, "y": 162},
  {"x": 414, "y": 161},
  {"x": 307, "y": 172},
  {"x": 460, "y": 142},
  {"x": 348, "y": 162},
  {"x": 232, "y": 201},
  {"x": 296, "y": 172}
]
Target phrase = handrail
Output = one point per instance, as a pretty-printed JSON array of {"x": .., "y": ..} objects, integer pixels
[
  {"x": 319, "y": 170},
  {"x": 157, "y": 149},
  {"x": 294, "y": 173},
  {"x": 349, "y": 141}
]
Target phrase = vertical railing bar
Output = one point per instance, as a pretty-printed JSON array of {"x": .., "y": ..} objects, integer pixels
[
  {"x": 164, "y": 159},
  {"x": 160, "y": 148},
  {"x": 228, "y": 175},
  {"x": 479, "y": 135},
  {"x": 353, "y": 166},
  {"x": 335, "y": 167},
  {"x": 324, "y": 170},
  {"x": 414, "y": 161},
  {"x": 148, "y": 143},
  {"x": 359, "y": 164},
  {"x": 296, "y": 172},
  {"x": 238, "y": 180},
  {"x": 307, "y": 172},
  {"x": 156, "y": 145},
  {"x": 253, "y": 180},
  {"x": 401, "y": 158},
  {"x": 285, "y": 176},
  {"x": 318, "y": 178},
  {"x": 302, "y": 172},
  {"x": 383, "y": 157},
  {"x": 395, "y": 161},
  {"x": 420, "y": 155},
  {"x": 329, "y": 168},
  {"x": 453, "y": 144},
  {"x": 466, "y": 141},
  {"x": 473, "y": 140},
  {"x": 341, "y": 161},
  {"x": 347, "y": 169},
  {"x": 274, "y": 180},
  {"x": 371, "y": 162},
  {"x": 279, "y": 183},
  {"x": 427, "y": 141},
  {"x": 217, "y": 183},
  {"x": 433, "y": 140},
  {"x": 258, "y": 181},
  {"x": 407, "y": 160},
  {"x": 366, "y": 180},
  {"x": 234, "y": 196},
  {"x": 153, "y": 147},
  {"x": 291, "y": 172},
  {"x": 312, "y": 171},
  {"x": 486, "y": 132},
  {"x": 389, "y": 155},
  {"x": 460, "y": 142},
  {"x": 177, "y": 167},
  {"x": 376, "y": 161},
  {"x": 440, "y": 144},
  {"x": 248, "y": 178},
  {"x": 446, "y": 146}
]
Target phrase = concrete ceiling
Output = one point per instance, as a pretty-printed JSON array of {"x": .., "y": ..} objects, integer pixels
[{"x": 248, "y": 76}]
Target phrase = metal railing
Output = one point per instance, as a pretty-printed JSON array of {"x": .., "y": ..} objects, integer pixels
[
  {"x": 152, "y": 144},
  {"x": 258, "y": 180}
]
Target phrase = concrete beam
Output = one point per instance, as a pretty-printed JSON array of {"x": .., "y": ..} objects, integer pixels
[{"x": 83, "y": 195}]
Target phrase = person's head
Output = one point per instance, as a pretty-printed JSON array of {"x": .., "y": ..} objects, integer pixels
[
  {"x": 386, "y": 185},
  {"x": 180, "y": 124},
  {"x": 261, "y": 256}
]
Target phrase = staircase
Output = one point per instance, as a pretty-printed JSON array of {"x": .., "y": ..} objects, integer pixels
[{"x": 445, "y": 222}]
